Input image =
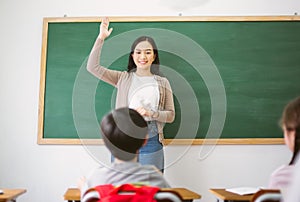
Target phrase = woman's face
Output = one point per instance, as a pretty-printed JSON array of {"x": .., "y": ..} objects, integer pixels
[
  {"x": 289, "y": 137},
  {"x": 143, "y": 55}
]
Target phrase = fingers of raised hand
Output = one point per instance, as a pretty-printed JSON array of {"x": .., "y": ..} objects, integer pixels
[{"x": 105, "y": 21}]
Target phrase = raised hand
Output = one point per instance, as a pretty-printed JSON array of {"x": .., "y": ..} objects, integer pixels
[{"x": 104, "y": 31}]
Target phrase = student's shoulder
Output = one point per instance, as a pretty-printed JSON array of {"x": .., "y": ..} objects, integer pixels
[
  {"x": 283, "y": 169},
  {"x": 156, "y": 178},
  {"x": 147, "y": 167},
  {"x": 151, "y": 170},
  {"x": 281, "y": 176}
]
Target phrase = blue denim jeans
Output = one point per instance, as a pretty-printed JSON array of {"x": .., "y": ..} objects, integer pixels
[{"x": 152, "y": 153}]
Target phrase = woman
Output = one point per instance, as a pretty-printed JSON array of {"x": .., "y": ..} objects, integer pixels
[
  {"x": 140, "y": 88},
  {"x": 290, "y": 123}
]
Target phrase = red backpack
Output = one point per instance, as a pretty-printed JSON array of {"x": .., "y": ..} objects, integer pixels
[{"x": 125, "y": 193}]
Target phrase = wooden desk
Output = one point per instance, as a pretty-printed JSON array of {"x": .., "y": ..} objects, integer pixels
[
  {"x": 185, "y": 194},
  {"x": 73, "y": 194},
  {"x": 226, "y": 196},
  {"x": 11, "y": 194}
]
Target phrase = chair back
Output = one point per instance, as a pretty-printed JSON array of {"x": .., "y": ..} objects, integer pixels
[
  {"x": 128, "y": 192},
  {"x": 167, "y": 196},
  {"x": 267, "y": 195}
]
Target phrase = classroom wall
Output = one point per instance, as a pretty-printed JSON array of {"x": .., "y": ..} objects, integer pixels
[{"x": 46, "y": 171}]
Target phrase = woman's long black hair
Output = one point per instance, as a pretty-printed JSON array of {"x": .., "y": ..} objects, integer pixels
[{"x": 291, "y": 120}]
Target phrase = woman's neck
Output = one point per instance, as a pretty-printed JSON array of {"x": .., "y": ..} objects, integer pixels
[{"x": 143, "y": 72}]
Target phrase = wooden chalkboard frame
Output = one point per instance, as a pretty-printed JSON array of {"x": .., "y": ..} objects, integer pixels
[{"x": 46, "y": 21}]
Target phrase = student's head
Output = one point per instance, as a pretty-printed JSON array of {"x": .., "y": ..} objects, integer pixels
[
  {"x": 144, "y": 46},
  {"x": 290, "y": 123},
  {"x": 124, "y": 132}
]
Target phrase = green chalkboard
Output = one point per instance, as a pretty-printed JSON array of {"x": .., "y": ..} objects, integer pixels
[{"x": 231, "y": 76}]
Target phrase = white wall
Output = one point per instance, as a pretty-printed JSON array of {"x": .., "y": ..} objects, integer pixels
[{"x": 46, "y": 171}]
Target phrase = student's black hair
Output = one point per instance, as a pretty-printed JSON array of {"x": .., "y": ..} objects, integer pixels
[
  {"x": 291, "y": 119},
  {"x": 155, "y": 64},
  {"x": 124, "y": 132}
]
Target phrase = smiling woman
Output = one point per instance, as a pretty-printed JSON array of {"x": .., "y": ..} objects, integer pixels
[{"x": 140, "y": 88}]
